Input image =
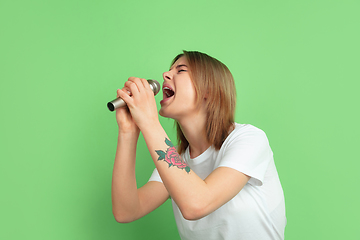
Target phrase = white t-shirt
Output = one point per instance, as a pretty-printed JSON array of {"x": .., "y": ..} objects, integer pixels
[{"x": 258, "y": 210}]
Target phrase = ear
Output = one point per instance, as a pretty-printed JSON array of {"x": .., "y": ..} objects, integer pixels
[{"x": 206, "y": 95}]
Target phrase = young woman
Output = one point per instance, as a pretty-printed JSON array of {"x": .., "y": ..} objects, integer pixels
[{"x": 221, "y": 178}]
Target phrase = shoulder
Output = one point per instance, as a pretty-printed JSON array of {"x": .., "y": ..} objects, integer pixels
[
  {"x": 246, "y": 132},
  {"x": 247, "y": 128},
  {"x": 246, "y": 140},
  {"x": 247, "y": 150}
]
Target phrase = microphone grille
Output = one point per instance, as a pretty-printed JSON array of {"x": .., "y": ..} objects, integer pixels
[{"x": 154, "y": 85}]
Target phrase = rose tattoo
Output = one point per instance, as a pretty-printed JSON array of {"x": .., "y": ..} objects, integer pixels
[{"x": 172, "y": 157}]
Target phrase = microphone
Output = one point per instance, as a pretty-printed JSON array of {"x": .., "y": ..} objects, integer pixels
[{"x": 118, "y": 102}]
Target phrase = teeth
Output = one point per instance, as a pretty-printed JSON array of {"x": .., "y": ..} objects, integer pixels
[{"x": 167, "y": 93}]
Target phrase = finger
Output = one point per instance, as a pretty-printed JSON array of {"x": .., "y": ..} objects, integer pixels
[
  {"x": 146, "y": 84},
  {"x": 124, "y": 96},
  {"x": 122, "y": 90},
  {"x": 132, "y": 87},
  {"x": 141, "y": 83},
  {"x": 127, "y": 90}
]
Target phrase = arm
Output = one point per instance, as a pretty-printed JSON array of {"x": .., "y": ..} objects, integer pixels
[
  {"x": 128, "y": 202},
  {"x": 195, "y": 197}
]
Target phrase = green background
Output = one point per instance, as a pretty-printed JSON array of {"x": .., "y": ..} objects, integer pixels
[{"x": 296, "y": 66}]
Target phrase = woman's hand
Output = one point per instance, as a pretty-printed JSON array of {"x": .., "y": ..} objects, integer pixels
[
  {"x": 142, "y": 103},
  {"x": 123, "y": 117}
]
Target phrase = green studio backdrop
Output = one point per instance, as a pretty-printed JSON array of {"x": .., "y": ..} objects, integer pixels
[{"x": 296, "y": 66}]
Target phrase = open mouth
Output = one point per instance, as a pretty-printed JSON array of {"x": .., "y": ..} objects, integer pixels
[{"x": 168, "y": 92}]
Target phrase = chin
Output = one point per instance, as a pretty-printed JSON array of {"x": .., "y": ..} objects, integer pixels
[{"x": 163, "y": 113}]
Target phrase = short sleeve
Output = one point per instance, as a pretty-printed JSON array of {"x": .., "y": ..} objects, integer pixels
[
  {"x": 248, "y": 151},
  {"x": 155, "y": 176}
]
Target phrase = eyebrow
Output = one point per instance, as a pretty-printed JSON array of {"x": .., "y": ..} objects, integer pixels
[{"x": 179, "y": 66}]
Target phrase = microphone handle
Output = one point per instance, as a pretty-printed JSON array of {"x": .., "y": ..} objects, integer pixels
[{"x": 118, "y": 102}]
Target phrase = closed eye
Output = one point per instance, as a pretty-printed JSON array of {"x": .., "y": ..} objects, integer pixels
[{"x": 181, "y": 68}]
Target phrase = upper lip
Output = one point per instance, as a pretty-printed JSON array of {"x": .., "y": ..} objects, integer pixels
[{"x": 167, "y": 86}]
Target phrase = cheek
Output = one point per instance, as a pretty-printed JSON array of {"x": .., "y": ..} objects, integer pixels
[
  {"x": 192, "y": 95},
  {"x": 190, "y": 90}
]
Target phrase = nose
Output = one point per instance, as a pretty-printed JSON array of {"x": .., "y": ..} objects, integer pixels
[{"x": 167, "y": 75}]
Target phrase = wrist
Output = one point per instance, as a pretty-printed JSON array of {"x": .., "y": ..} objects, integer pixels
[
  {"x": 151, "y": 128},
  {"x": 148, "y": 124},
  {"x": 129, "y": 135}
]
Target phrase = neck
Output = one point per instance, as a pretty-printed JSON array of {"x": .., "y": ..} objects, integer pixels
[{"x": 193, "y": 129}]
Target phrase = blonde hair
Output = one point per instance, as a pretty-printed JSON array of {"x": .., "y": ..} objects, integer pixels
[{"x": 214, "y": 82}]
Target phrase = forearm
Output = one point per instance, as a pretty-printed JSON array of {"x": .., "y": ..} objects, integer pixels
[
  {"x": 124, "y": 194},
  {"x": 184, "y": 186}
]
